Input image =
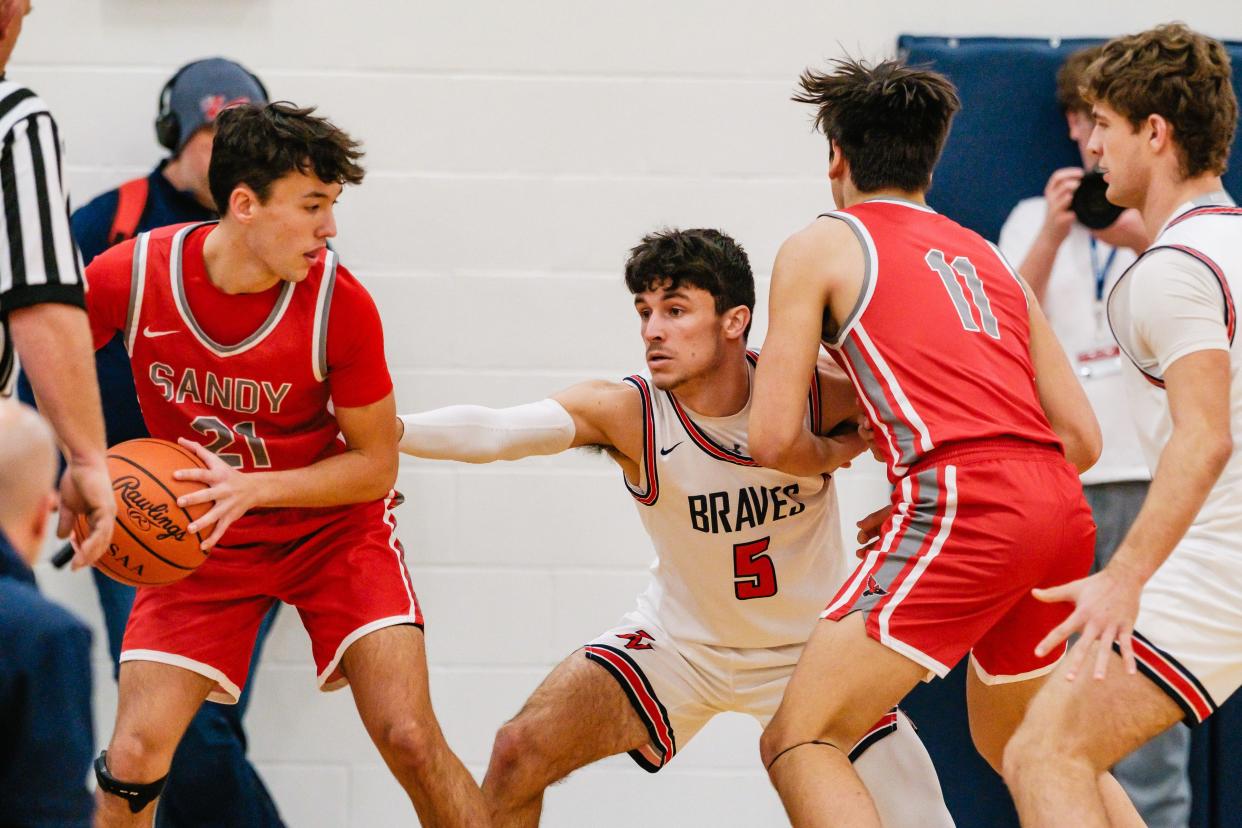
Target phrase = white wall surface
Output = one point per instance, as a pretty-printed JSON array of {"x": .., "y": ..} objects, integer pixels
[{"x": 515, "y": 152}]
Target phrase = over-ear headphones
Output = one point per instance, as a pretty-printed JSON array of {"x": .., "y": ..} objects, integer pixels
[{"x": 167, "y": 124}]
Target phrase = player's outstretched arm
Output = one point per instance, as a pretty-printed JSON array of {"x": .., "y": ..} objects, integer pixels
[
  {"x": 595, "y": 413},
  {"x": 1061, "y": 394},
  {"x": 366, "y": 470},
  {"x": 802, "y": 279}
]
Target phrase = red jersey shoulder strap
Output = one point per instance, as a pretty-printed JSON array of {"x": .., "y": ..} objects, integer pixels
[{"x": 131, "y": 201}]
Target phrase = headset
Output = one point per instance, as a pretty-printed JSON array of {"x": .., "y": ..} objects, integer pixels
[{"x": 167, "y": 124}]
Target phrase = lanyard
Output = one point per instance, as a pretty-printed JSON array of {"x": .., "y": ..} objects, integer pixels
[{"x": 1101, "y": 274}]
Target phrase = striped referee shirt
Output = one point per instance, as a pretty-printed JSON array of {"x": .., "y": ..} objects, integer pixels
[{"x": 38, "y": 259}]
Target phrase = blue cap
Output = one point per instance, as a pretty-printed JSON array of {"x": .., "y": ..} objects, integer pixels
[{"x": 202, "y": 90}]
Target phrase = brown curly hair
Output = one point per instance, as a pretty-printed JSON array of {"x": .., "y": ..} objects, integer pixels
[
  {"x": 1070, "y": 77},
  {"x": 1178, "y": 74}
]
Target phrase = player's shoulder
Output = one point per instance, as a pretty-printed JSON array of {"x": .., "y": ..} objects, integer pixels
[
  {"x": 827, "y": 241},
  {"x": 349, "y": 294},
  {"x": 1164, "y": 267},
  {"x": 114, "y": 262},
  {"x": 613, "y": 394}
]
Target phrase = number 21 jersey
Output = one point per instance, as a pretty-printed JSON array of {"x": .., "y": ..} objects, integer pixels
[
  {"x": 253, "y": 377},
  {"x": 938, "y": 344}
]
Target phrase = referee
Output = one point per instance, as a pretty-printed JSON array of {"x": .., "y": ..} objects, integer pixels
[{"x": 42, "y": 300}]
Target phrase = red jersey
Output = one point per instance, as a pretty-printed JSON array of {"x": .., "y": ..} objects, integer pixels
[
  {"x": 938, "y": 344},
  {"x": 253, "y": 376}
]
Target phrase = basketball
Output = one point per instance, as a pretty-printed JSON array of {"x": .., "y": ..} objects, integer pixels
[{"x": 151, "y": 543}]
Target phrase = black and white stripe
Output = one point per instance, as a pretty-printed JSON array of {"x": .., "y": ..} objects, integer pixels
[{"x": 38, "y": 259}]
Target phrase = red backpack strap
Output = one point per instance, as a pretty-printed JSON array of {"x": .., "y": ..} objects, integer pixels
[{"x": 131, "y": 201}]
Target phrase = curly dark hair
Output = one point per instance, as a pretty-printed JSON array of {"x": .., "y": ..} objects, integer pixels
[
  {"x": 699, "y": 257},
  {"x": 890, "y": 120},
  {"x": 257, "y": 144},
  {"x": 1180, "y": 75}
]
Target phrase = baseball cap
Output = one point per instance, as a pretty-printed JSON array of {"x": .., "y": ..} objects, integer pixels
[{"x": 202, "y": 90}]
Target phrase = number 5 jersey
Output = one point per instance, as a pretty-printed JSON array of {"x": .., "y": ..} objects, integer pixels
[
  {"x": 746, "y": 556},
  {"x": 254, "y": 377}
]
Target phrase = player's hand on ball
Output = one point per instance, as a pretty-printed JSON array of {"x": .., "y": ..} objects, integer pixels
[
  {"x": 1107, "y": 604},
  {"x": 86, "y": 489},
  {"x": 869, "y": 530},
  {"x": 231, "y": 492}
]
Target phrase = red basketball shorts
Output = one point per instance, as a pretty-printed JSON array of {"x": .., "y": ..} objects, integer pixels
[
  {"x": 975, "y": 527},
  {"x": 346, "y": 578}
]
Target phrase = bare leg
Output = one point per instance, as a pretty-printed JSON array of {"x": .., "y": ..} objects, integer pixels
[
  {"x": 844, "y": 683},
  {"x": 387, "y": 670},
  {"x": 1056, "y": 763},
  {"x": 154, "y": 706},
  {"x": 578, "y": 715}
]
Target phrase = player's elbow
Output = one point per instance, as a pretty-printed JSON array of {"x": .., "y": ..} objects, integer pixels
[
  {"x": 383, "y": 476},
  {"x": 1083, "y": 444},
  {"x": 1217, "y": 449},
  {"x": 767, "y": 447}
]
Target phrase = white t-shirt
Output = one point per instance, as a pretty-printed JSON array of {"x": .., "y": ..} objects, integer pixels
[
  {"x": 1078, "y": 318},
  {"x": 1169, "y": 305}
]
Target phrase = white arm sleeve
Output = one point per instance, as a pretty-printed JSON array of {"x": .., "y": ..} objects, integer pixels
[{"x": 475, "y": 434}]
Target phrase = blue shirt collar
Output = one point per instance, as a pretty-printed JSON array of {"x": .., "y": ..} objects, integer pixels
[{"x": 12, "y": 565}]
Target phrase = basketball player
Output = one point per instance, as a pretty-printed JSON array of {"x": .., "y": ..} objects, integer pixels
[
  {"x": 976, "y": 413},
  {"x": 248, "y": 335},
  {"x": 1165, "y": 115},
  {"x": 744, "y": 554}
]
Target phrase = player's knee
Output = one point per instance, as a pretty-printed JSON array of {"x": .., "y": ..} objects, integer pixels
[
  {"x": 136, "y": 757},
  {"x": 1024, "y": 751},
  {"x": 514, "y": 749},
  {"x": 413, "y": 745},
  {"x": 779, "y": 736}
]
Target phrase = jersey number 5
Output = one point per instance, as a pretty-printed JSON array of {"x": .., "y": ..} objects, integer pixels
[
  {"x": 949, "y": 277},
  {"x": 223, "y": 437},
  {"x": 754, "y": 575}
]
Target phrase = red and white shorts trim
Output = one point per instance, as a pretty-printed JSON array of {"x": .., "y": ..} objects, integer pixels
[
  {"x": 347, "y": 578},
  {"x": 974, "y": 528}
]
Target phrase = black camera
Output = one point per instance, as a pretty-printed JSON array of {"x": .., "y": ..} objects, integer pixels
[{"x": 1090, "y": 204}]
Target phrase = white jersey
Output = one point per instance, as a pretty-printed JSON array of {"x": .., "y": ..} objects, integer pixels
[
  {"x": 746, "y": 556},
  {"x": 1171, "y": 303}
]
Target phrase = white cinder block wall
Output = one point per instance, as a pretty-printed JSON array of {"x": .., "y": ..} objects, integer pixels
[{"x": 515, "y": 152}]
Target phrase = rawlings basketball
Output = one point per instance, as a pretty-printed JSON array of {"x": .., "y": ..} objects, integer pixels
[{"x": 151, "y": 541}]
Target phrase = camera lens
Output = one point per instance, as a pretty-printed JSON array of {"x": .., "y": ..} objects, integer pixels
[{"x": 1091, "y": 206}]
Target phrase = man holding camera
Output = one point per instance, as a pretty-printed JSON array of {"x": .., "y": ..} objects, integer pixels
[{"x": 1072, "y": 246}]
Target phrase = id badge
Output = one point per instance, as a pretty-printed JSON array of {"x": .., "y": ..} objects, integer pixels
[{"x": 1104, "y": 361}]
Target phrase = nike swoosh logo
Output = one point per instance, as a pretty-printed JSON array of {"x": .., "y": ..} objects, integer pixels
[
  {"x": 669, "y": 450},
  {"x": 150, "y": 334}
]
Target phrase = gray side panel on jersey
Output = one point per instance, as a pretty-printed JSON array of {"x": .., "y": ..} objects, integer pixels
[
  {"x": 864, "y": 290},
  {"x": 921, "y": 516},
  {"x": 875, "y": 393}
]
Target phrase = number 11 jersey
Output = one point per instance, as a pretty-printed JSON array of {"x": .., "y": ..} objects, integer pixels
[
  {"x": 253, "y": 377},
  {"x": 938, "y": 343}
]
